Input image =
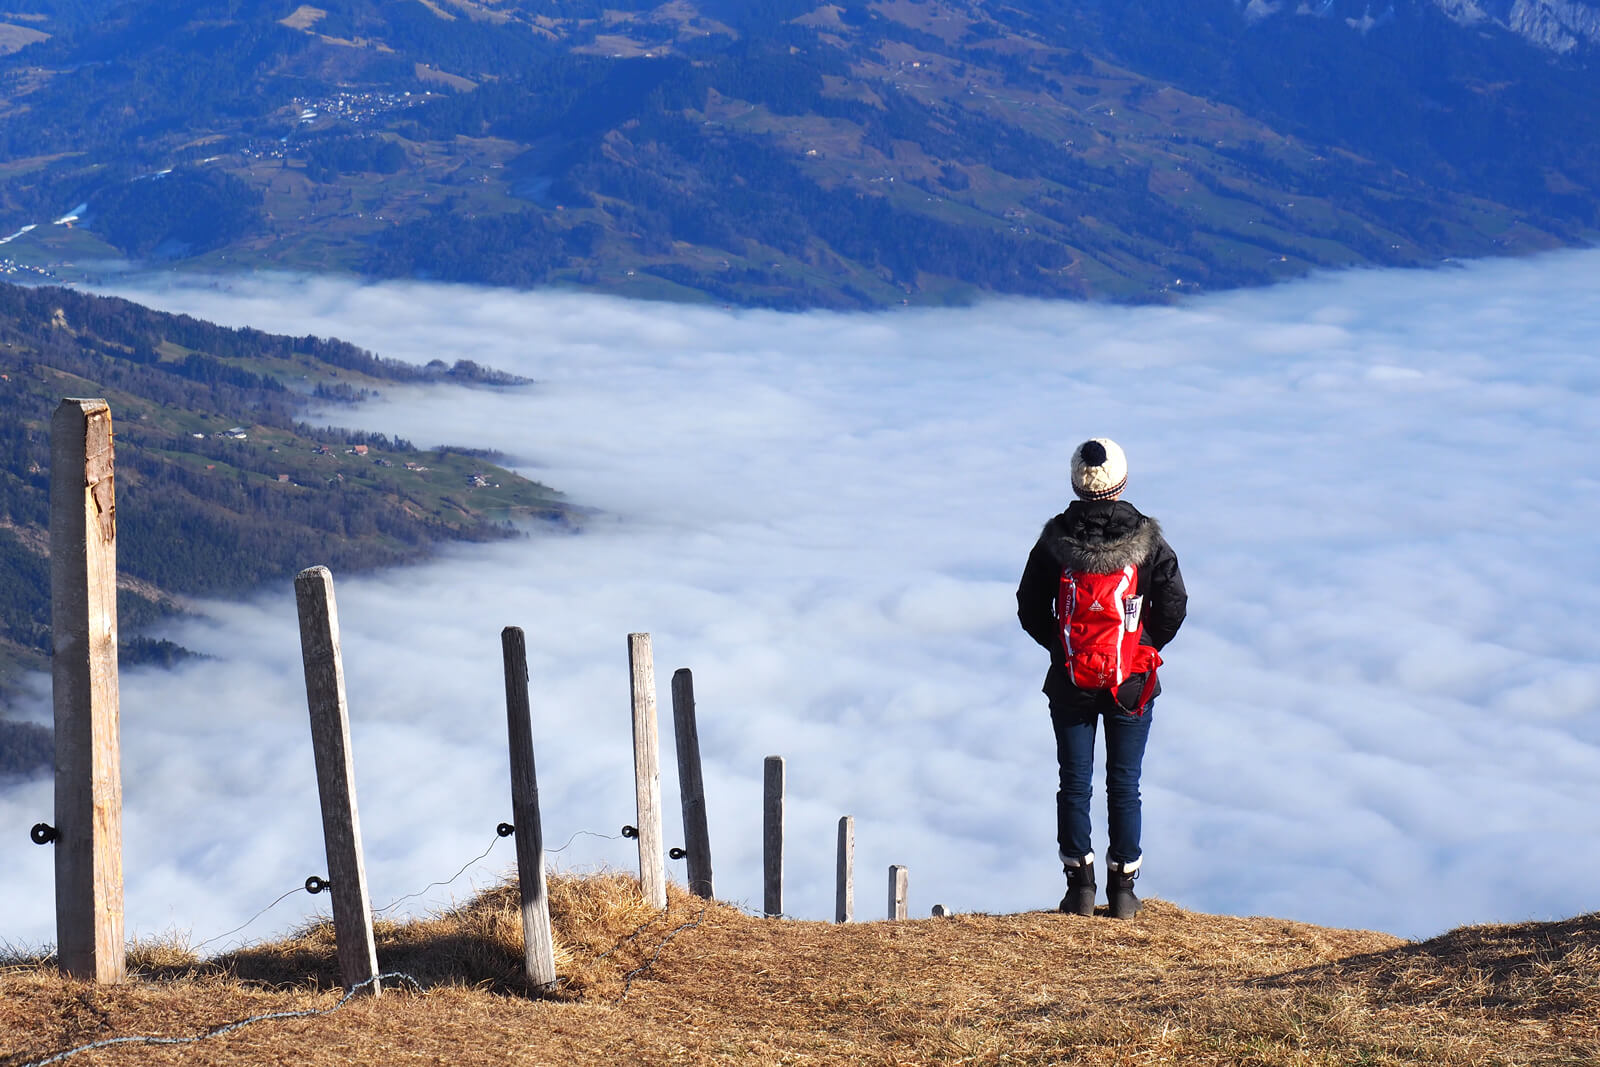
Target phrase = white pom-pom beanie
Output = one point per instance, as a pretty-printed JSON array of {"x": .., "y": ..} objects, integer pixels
[{"x": 1099, "y": 469}]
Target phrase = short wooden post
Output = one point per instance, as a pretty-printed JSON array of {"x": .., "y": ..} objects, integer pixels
[
  {"x": 897, "y": 891},
  {"x": 844, "y": 894},
  {"x": 336, "y": 777},
  {"x": 538, "y": 947},
  {"x": 647, "y": 771},
  {"x": 83, "y": 626},
  {"x": 691, "y": 785},
  {"x": 772, "y": 836}
]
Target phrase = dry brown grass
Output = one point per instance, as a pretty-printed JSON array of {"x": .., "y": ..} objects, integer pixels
[{"x": 1172, "y": 987}]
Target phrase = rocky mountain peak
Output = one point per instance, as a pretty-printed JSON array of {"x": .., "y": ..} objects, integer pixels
[{"x": 1557, "y": 25}]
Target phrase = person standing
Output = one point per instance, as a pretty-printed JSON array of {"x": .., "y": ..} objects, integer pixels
[{"x": 1102, "y": 593}]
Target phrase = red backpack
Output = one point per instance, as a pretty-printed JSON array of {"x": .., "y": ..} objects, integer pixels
[{"x": 1099, "y": 616}]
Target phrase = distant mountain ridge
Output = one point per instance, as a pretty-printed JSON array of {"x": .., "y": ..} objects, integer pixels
[
  {"x": 1559, "y": 25},
  {"x": 1555, "y": 25},
  {"x": 793, "y": 153}
]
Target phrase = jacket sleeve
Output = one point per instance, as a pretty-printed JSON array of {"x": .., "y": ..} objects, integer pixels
[
  {"x": 1036, "y": 598},
  {"x": 1166, "y": 601}
]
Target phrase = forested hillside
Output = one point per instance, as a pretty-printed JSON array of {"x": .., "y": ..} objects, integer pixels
[
  {"x": 790, "y": 153},
  {"x": 220, "y": 487}
]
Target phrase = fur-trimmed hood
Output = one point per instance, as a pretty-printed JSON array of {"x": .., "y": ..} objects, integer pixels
[{"x": 1106, "y": 543}]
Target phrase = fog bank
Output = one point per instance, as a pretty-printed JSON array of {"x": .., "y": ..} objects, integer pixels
[{"x": 1384, "y": 710}]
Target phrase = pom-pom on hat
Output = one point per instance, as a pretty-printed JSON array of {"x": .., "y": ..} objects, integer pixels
[{"x": 1099, "y": 469}]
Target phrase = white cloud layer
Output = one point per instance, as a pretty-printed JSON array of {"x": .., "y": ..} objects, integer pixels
[{"x": 1383, "y": 712}]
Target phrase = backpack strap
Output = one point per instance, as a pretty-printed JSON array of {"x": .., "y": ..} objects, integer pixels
[{"x": 1146, "y": 695}]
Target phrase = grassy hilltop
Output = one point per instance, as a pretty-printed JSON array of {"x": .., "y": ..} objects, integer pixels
[{"x": 711, "y": 984}]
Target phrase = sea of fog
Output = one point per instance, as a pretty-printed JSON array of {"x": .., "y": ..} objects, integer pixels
[{"x": 1384, "y": 710}]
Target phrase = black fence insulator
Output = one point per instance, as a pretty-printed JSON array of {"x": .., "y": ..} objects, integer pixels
[
  {"x": 630, "y": 831},
  {"x": 677, "y": 853},
  {"x": 315, "y": 885},
  {"x": 43, "y": 833},
  {"x": 505, "y": 829}
]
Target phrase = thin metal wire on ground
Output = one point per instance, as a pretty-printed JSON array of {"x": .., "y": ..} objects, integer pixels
[
  {"x": 627, "y": 979},
  {"x": 752, "y": 910},
  {"x": 228, "y": 1028},
  {"x": 641, "y": 928},
  {"x": 297, "y": 889}
]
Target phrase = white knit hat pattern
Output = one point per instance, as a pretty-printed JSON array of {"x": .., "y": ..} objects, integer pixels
[{"x": 1099, "y": 469}]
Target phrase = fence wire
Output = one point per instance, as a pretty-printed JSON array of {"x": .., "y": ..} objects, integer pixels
[
  {"x": 228, "y": 1028},
  {"x": 483, "y": 855},
  {"x": 578, "y": 834},
  {"x": 761, "y": 913},
  {"x": 626, "y": 938},
  {"x": 627, "y": 979},
  {"x": 212, "y": 940},
  {"x": 409, "y": 896},
  {"x": 351, "y": 993},
  {"x": 433, "y": 885},
  {"x": 239, "y": 1024}
]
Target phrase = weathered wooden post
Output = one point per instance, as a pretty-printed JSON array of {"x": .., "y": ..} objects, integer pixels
[
  {"x": 897, "y": 891},
  {"x": 844, "y": 894},
  {"x": 647, "y": 771},
  {"x": 83, "y": 626},
  {"x": 691, "y": 785},
  {"x": 538, "y": 947},
  {"x": 336, "y": 777},
  {"x": 772, "y": 836}
]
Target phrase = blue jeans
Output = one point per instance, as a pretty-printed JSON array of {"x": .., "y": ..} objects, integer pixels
[{"x": 1125, "y": 738}]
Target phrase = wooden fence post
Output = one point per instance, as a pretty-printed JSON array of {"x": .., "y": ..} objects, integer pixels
[
  {"x": 772, "y": 836},
  {"x": 844, "y": 896},
  {"x": 336, "y": 777},
  {"x": 647, "y": 771},
  {"x": 897, "y": 891},
  {"x": 83, "y": 626},
  {"x": 538, "y": 947},
  {"x": 691, "y": 785}
]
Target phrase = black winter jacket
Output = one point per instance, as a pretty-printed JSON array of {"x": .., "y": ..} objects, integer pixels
[{"x": 1100, "y": 536}]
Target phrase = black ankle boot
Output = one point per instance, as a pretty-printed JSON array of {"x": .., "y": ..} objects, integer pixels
[
  {"x": 1080, "y": 888},
  {"x": 1119, "y": 890}
]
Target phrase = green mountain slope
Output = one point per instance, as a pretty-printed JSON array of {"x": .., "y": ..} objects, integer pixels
[
  {"x": 789, "y": 153},
  {"x": 220, "y": 488}
]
